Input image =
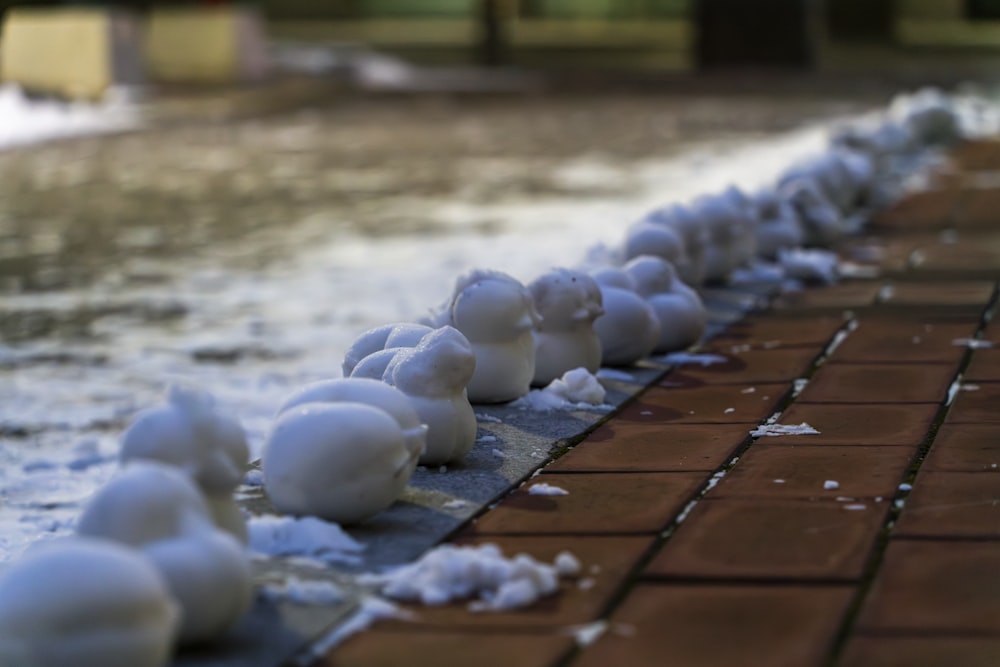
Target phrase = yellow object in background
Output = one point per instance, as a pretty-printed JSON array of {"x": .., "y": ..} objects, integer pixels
[
  {"x": 206, "y": 44},
  {"x": 76, "y": 53}
]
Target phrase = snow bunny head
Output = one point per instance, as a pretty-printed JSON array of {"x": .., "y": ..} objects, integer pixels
[
  {"x": 434, "y": 375},
  {"x": 691, "y": 266},
  {"x": 370, "y": 392},
  {"x": 490, "y": 307},
  {"x": 211, "y": 447},
  {"x": 157, "y": 508},
  {"x": 569, "y": 302},
  {"x": 86, "y": 602},
  {"x": 497, "y": 314},
  {"x": 403, "y": 334}
]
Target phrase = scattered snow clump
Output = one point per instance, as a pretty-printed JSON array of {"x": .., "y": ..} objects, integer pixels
[
  {"x": 773, "y": 430},
  {"x": 452, "y": 572}
]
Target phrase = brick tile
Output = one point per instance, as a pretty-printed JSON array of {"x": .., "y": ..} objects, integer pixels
[
  {"x": 705, "y": 404},
  {"x": 606, "y": 561},
  {"x": 862, "y": 651},
  {"x": 985, "y": 365},
  {"x": 844, "y": 295},
  {"x": 861, "y": 472},
  {"x": 709, "y": 626},
  {"x": 935, "y": 586},
  {"x": 978, "y": 208},
  {"x": 895, "y": 340},
  {"x": 766, "y": 539},
  {"x": 772, "y": 331},
  {"x": 751, "y": 366},
  {"x": 975, "y": 255},
  {"x": 965, "y": 448},
  {"x": 952, "y": 504},
  {"x": 879, "y": 383},
  {"x": 955, "y": 293},
  {"x": 623, "y": 446},
  {"x": 596, "y": 504},
  {"x": 856, "y": 424},
  {"x": 930, "y": 209},
  {"x": 976, "y": 407},
  {"x": 449, "y": 649}
]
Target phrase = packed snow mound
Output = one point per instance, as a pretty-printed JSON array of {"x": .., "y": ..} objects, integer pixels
[
  {"x": 577, "y": 388},
  {"x": 497, "y": 583}
]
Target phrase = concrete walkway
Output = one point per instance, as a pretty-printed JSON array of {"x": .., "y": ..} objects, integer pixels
[{"x": 875, "y": 542}]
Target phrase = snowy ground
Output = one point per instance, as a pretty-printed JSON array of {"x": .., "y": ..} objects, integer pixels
[{"x": 245, "y": 258}]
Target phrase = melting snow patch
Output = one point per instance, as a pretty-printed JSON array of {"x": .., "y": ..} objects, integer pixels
[
  {"x": 831, "y": 484},
  {"x": 497, "y": 452},
  {"x": 452, "y": 572},
  {"x": 729, "y": 411},
  {"x": 905, "y": 487},
  {"x": 303, "y": 592},
  {"x": 488, "y": 418},
  {"x": 487, "y": 438},
  {"x": 684, "y": 358},
  {"x": 458, "y": 503},
  {"x": 307, "y": 537},
  {"x": 969, "y": 387},
  {"x": 773, "y": 430},
  {"x": 779, "y": 481},
  {"x": 543, "y": 489},
  {"x": 973, "y": 343},
  {"x": 748, "y": 390},
  {"x": 370, "y": 609},
  {"x": 855, "y": 507}
]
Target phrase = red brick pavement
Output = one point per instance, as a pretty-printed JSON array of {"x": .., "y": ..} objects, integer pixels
[{"x": 703, "y": 546}]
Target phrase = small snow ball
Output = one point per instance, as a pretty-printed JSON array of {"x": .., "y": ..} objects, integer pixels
[{"x": 86, "y": 603}]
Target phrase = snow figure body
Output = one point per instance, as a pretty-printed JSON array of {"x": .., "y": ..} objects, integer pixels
[
  {"x": 629, "y": 329},
  {"x": 211, "y": 447},
  {"x": 341, "y": 461},
  {"x": 569, "y": 301},
  {"x": 496, "y": 314},
  {"x": 678, "y": 308},
  {"x": 157, "y": 509},
  {"x": 88, "y": 603},
  {"x": 434, "y": 376}
]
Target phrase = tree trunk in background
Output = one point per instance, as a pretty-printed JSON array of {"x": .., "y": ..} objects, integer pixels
[{"x": 758, "y": 33}]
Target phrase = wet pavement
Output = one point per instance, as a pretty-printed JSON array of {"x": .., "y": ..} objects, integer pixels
[{"x": 872, "y": 541}]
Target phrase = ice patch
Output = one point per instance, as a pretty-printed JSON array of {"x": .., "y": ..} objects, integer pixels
[
  {"x": 973, "y": 343},
  {"x": 297, "y": 591},
  {"x": 306, "y": 537},
  {"x": 451, "y": 572},
  {"x": 543, "y": 489},
  {"x": 685, "y": 358},
  {"x": 612, "y": 374},
  {"x": 774, "y": 430}
]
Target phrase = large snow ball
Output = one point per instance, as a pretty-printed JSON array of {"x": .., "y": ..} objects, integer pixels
[
  {"x": 86, "y": 603},
  {"x": 342, "y": 462}
]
